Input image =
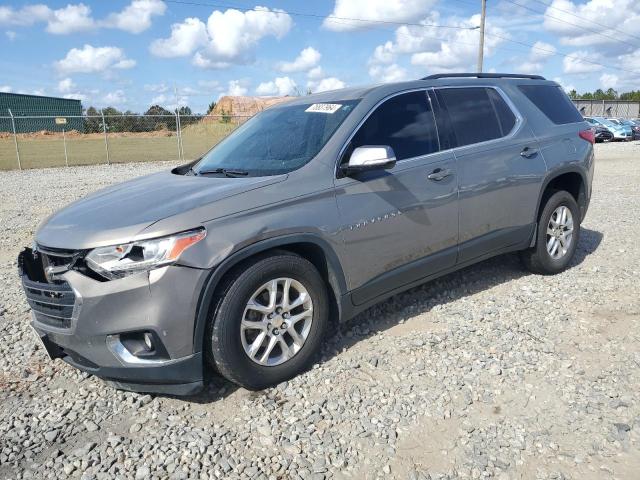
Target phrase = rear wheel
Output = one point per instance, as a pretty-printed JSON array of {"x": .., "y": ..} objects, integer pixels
[
  {"x": 269, "y": 322},
  {"x": 557, "y": 236}
]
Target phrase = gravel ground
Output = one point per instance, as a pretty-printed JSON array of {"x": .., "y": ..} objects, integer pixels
[{"x": 490, "y": 372}]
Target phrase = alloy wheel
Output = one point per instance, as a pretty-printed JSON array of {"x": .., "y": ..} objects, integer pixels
[
  {"x": 559, "y": 232},
  {"x": 276, "y": 321}
]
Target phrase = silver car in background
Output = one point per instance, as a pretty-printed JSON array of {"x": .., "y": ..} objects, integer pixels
[{"x": 619, "y": 132}]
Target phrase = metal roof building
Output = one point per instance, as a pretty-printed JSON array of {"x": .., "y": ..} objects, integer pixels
[{"x": 62, "y": 113}]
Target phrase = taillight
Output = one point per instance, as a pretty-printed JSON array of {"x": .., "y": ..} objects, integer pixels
[{"x": 587, "y": 135}]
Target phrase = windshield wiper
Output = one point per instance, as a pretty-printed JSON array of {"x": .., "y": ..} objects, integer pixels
[{"x": 227, "y": 172}]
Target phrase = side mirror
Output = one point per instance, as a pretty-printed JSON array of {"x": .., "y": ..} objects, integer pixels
[{"x": 370, "y": 157}]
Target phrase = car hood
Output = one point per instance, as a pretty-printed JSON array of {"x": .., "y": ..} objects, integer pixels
[{"x": 118, "y": 213}]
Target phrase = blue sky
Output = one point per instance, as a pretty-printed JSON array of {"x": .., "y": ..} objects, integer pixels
[{"x": 131, "y": 54}]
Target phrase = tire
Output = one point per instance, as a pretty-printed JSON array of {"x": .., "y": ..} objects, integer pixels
[
  {"x": 539, "y": 259},
  {"x": 227, "y": 343}
]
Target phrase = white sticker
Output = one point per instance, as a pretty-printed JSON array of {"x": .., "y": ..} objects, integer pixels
[{"x": 324, "y": 107}]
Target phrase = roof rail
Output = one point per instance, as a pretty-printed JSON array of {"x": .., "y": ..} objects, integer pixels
[{"x": 483, "y": 75}]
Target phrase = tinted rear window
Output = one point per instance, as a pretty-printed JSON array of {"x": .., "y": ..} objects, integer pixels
[
  {"x": 553, "y": 102},
  {"x": 476, "y": 114}
]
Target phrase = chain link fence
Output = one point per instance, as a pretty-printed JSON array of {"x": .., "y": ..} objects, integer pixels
[{"x": 46, "y": 141}]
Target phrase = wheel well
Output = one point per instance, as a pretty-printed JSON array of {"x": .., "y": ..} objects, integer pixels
[
  {"x": 571, "y": 182},
  {"x": 309, "y": 251}
]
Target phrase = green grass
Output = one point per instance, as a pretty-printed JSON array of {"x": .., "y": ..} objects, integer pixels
[{"x": 39, "y": 151}]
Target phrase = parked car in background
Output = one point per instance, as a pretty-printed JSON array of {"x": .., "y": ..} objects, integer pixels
[
  {"x": 306, "y": 215},
  {"x": 635, "y": 128},
  {"x": 602, "y": 134},
  {"x": 619, "y": 132},
  {"x": 621, "y": 122}
]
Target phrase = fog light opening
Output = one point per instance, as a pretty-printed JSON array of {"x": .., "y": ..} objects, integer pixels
[{"x": 148, "y": 341}]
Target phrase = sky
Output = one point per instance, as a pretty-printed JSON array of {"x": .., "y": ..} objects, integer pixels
[{"x": 131, "y": 54}]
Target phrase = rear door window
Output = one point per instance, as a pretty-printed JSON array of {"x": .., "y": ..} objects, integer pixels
[
  {"x": 553, "y": 102},
  {"x": 477, "y": 114},
  {"x": 405, "y": 123}
]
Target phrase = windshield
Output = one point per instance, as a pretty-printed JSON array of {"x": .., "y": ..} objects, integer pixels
[{"x": 277, "y": 140}]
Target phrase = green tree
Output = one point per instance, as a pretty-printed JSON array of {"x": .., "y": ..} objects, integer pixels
[{"x": 92, "y": 121}]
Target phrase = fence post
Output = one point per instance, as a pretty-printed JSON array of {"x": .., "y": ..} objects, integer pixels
[
  {"x": 106, "y": 142},
  {"x": 178, "y": 135},
  {"x": 181, "y": 140},
  {"x": 15, "y": 138},
  {"x": 64, "y": 141}
]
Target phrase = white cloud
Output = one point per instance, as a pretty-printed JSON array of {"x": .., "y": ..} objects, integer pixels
[
  {"x": 315, "y": 73},
  {"x": 89, "y": 59},
  {"x": 383, "y": 53},
  {"x": 567, "y": 87},
  {"x": 308, "y": 59},
  {"x": 609, "y": 80},
  {"x": 629, "y": 77},
  {"x": 388, "y": 73},
  {"x": 458, "y": 50},
  {"x": 6, "y": 89},
  {"x": 281, "y": 86},
  {"x": 159, "y": 99},
  {"x": 72, "y": 18},
  {"x": 229, "y": 37},
  {"x": 623, "y": 15},
  {"x": 136, "y": 17},
  {"x": 185, "y": 38},
  {"x": 329, "y": 83},
  {"x": 11, "y": 35},
  {"x": 373, "y": 11},
  {"x": 66, "y": 85},
  {"x": 25, "y": 16},
  {"x": 116, "y": 97},
  {"x": 537, "y": 58},
  {"x": 236, "y": 88},
  {"x": 435, "y": 50},
  {"x": 156, "y": 87},
  {"x": 542, "y": 51},
  {"x": 575, "y": 63}
]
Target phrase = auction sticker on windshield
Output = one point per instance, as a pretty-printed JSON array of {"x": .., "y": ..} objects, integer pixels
[{"x": 324, "y": 107}]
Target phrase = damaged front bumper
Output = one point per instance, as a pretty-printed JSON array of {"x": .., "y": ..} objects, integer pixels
[{"x": 102, "y": 327}]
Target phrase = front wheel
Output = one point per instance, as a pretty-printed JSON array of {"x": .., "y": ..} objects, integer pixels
[
  {"x": 557, "y": 236},
  {"x": 269, "y": 321}
]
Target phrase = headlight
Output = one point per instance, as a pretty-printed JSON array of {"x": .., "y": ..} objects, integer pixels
[{"x": 118, "y": 261}]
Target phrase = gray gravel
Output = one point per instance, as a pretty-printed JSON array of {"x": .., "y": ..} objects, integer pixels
[{"x": 487, "y": 373}]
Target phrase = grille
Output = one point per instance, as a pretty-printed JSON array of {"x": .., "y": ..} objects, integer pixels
[{"x": 52, "y": 303}]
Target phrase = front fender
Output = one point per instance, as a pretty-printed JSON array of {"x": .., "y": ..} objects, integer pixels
[{"x": 336, "y": 279}]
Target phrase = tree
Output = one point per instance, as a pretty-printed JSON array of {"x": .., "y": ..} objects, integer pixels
[
  {"x": 93, "y": 121},
  {"x": 157, "y": 110},
  {"x": 212, "y": 105}
]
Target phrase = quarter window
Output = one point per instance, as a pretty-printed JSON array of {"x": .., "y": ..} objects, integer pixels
[
  {"x": 553, "y": 102},
  {"x": 477, "y": 114},
  {"x": 405, "y": 123}
]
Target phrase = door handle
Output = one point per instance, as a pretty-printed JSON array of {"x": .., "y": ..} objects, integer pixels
[
  {"x": 528, "y": 152},
  {"x": 439, "y": 174}
]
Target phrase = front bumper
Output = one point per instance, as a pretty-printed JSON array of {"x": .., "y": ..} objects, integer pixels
[
  {"x": 622, "y": 136},
  {"x": 83, "y": 334}
]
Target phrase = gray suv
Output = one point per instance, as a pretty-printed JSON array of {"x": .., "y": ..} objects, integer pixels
[{"x": 306, "y": 215}]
